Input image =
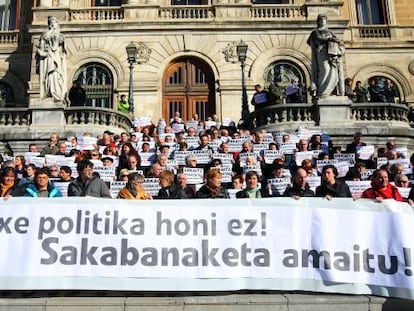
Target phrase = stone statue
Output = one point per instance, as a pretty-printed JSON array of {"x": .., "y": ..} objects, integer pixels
[
  {"x": 51, "y": 57},
  {"x": 327, "y": 50}
]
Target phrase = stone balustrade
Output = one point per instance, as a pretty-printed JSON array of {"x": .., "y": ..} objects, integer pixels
[
  {"x": 81, "y": 116},
  {"x": 307, "y": 114},
  {"x": 12, "y": 117},
  {"x": 77, "y": 119},
  {"x": 186, "y": 12},
  {"x": 96, "y": 14},
  {"x": 277, "y": 11},
  {"x": 374, "y": 31},
  {"x": 9, "y": 37},
  {"x": 379, "y": 111}
]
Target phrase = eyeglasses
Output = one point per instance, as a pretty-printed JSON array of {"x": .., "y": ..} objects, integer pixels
[
  {"x": 404, "y": 181},
  {"x": 95, "y": 154},
  {"x": 53, "y": 170},
  {"x": 138, "y": 183}
]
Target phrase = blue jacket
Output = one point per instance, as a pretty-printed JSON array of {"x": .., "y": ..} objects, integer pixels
[{"x": 32, "y": 191}]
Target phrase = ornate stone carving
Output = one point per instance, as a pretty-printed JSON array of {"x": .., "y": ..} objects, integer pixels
[
  {"x": 230, "y": 53},
  {"x": 411, "y": 68},
  {"x": 143, "y": 53}
]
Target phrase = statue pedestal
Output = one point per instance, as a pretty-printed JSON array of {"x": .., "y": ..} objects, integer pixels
[
  {"x": 334, "y": 110},
  {"x": 48, "y": 113}
]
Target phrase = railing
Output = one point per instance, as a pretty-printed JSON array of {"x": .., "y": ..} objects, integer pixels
[
  {"x": 97, "y": 14},
  {"x": 10, "y": 117},
  {"x": 281, "y": 113},
  {"x": 307, "y": 113},
  {"x": 274, "y": 11},
  {"x": 9, "y": 37},
  {"x": 379, "y": 111},
  {"x": 74, "y": 116},
  {"x": 374, "y": 31},
  {"x": 186, "y": 12},
  {"x": 97, "y": 116}
]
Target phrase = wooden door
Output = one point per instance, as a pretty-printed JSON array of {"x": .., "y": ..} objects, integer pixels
[{"x": 188, "y": 87}]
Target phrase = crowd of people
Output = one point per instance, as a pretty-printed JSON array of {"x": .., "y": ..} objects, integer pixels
[{"x": 196, "y": 159}]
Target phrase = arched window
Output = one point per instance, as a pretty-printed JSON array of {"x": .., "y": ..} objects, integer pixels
[
  {"x": 382, "y": 89},
  {"x": 97, "y": 80},
  {"x": 285, "y": 71},
  {"x": 6, "y": 94}
]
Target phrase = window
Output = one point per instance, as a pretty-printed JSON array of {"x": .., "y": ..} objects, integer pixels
[
  {"x": 9, "y": 14},
  {"x": 271, "y": 2},
  {"x": 107, "y": 2},
  {"x": 189, "y": 2},
  {"x": 6, "y": 94},
  {"x": 371, "y": 12},
  {"x": 97, "y": 80}
]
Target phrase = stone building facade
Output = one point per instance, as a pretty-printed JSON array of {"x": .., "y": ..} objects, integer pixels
[{"x": 187, "y": 58}]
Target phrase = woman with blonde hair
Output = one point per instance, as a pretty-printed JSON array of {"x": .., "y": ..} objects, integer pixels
[
  {"x": 134, "y": 189},
  {"x": 212, "y": 187}
]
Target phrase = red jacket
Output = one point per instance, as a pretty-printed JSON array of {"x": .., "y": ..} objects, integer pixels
[{"x": 389, "y": 192}]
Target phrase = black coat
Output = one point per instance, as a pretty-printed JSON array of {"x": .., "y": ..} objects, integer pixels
[
  {"x": 338, "y": 190},
  {"x": 171, "y": 192}
]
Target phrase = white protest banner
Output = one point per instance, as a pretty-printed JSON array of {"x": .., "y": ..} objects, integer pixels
[
  {"x": 402, "y": 152},
  {"x": 192, "y": 142},
  {"x": 314, "y": 182},
  {"x": 38, "y": 161},
  {"x": 406, "y": 165},
  {"x": 235, "y": 145},
  {"x": 226, "y": 173},
  {"x": 28, "y": 156},
  {"x": 366, "y": 174},
  {"x": 209, "y": 124},
  {"x": 94, "y": 244},
  {"x": 52, "y": 159},
  {"x": 147, "y": 158},
  {"x": 195, "y": 175},
  {"x": 179, "y": 157},
  {"x": 260, "y": 148},
  {"x": 227, "y": 121},
  {"x": 225, "y": 158},
  {"x": 404, "y": 191},
  {"x": 343, "y": 168},
  {"x": 115, "y": 187},
  {"x": 106, "y": 173},
  {"x": 321, "y": 163},
  {"x": 256, "y": 168},
  {"x": 177, "y": 127},
  {"x": 203, "y": 156},
  {"x": 357, "y": 187},
  {"x": 382, "y": 161},
  {"x": 345, "y": 157},
  {"x": 62, "y": 186},
  {"x": 287, "y": 148},
  {"x": 87, "y": 142},
  {"x": 270, "y": 155},
  {"x": 150, "y": 143},
  {"x": 142, "y": 121},
  {"x": 302, "y": 155},
  {"x": 365, "y": 152},
  {"x": 244, "y": 155},
  {"x": 152, "y": 185},
  {"x": 277, "y": 186}
]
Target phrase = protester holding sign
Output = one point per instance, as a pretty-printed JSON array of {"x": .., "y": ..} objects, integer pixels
[
  {"x": 87, "y": 184},
  {"x": 253, "y": 190},
  {"x": 212, "y": 188},
  {"x": 332, "y": 187},
  {"x": 134, "y": 189},
  {"x": 41, "y": 187},
  {"x": 169, "y": 190},
  {"x": 300, "y": 187},
  {"x": 381, "y": 188}
]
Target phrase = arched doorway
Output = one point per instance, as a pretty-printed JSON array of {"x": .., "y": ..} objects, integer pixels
[{"x": 188, "y": 87}]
